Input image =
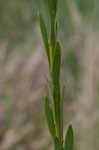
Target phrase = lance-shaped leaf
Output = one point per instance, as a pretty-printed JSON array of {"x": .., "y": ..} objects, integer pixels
[
  {"x": 61, "y": 109},
  {"x": 57, "y": 145},
  {"x": 56, "y": 65},
  {"x": 56, "y": 88},
  {"x": 44, "y": 36},
  {"x": 50, "y": 95},
  {"x": 56, "y": 76},
  {"x": 49, "y": 117},
  {"x": 69, "y": 139}
]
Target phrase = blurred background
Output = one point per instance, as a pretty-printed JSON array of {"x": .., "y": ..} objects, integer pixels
[{"x": 24, "y": 71}]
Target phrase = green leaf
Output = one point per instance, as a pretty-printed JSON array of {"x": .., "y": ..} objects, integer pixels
[
  {"x": 69, "y": 139},
  {"x": 44, "y": 36},
  {"x": 58, "y": 146},
  {"x": 56, "y": 65},
  {"x": 49, "y": 117},
  {"x": 56, "y": 85},
  {"x": 50, "y": 95},
  {"x": 62, "y": 109}
]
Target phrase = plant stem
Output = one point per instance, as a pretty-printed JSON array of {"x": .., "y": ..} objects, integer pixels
[{"x": 54, "y": 108}]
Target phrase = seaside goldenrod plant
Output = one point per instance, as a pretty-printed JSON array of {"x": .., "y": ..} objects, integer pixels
[{"x": 54, "y": 100}]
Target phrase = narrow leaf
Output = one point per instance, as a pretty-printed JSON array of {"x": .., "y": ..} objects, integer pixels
[
  {"x": 62, "y": 109},
  {"x": 49, "y": 117},
  {"x": 69, "y": 139},
  {"x": 44, "y": 35},
  {"x": 50, "y": 95},
  {"x": 56, "y": 88},
  {"x": 56, "y": 65},
  {"x": 58, "y": 146}
]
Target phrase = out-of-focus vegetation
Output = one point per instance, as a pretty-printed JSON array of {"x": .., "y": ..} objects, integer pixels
[{"x": 24, "y": 70}]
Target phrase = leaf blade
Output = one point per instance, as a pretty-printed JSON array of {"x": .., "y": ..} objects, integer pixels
[
  {"x": 56, "y": 64},
  {"x": 49, "y": 117},
  {"x": 50, "y": 95},
  {"x": 44, "y": 36},
  {"x": 69, "y": 139}
]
